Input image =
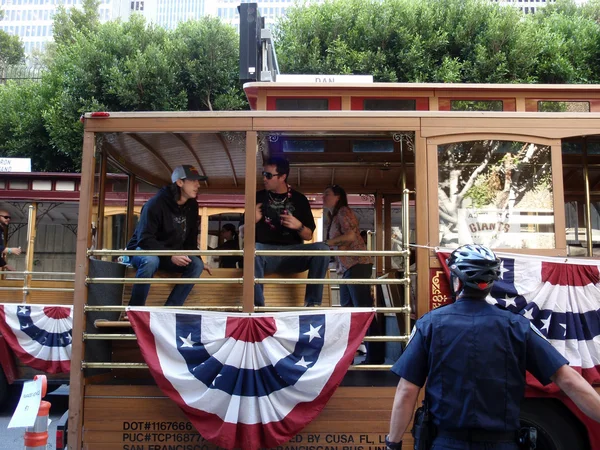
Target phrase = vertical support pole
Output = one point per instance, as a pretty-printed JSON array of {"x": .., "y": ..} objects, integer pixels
[
  {"x": 250, "y": 221},
  {"x": 101, "y": 202},
  {"x": 387, "y": 234},
  {"x": 130, "y": 207},
  {"x": 31, "y": 225},
  {"x": 204, "y": 232},
  {"x": 588, "y": 200},
  {"x": 86, "y": 194},
  {"x": 379, "y": 232},
  {"x": 406, "y": 248}
]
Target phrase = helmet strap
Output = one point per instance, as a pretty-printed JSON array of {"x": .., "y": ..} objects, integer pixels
[{"x": 455, "y": 286}]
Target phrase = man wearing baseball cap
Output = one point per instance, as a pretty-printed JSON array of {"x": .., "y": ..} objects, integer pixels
[{"x": 169, "y": 221}]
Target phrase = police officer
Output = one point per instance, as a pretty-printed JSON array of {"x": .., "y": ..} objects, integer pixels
[{"x": 474, "y": 356}]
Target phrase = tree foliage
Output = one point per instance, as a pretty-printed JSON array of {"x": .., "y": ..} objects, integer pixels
[
  {"x": 117, "y": 66},
  {"x": 135, "y": 66},
  {"x": 11, "y": 49},
  {"x": 473, "y": 41},
  {"x": 68, "y": 23}
]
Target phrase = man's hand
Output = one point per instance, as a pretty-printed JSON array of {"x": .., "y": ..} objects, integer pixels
[
  {"x": 289, "y": 221},
  {"x": 208, "y": 270},
  {"x": 180, "y": 261},
  {"x": 16, "y": 250},
  {"x": 258, "y": 212}
]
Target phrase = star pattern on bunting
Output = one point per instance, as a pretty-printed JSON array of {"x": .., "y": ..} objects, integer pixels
[
  {"x": 503, "y": 270},
  {"x": 564, "y": 325},
  {"x": 546, "y": 323},
  {"x": 313, "y": 333},
  {"x": 528, "y": 314},
  {"x": 304, "y": 363},
  {"x": 187, "y": 341}
]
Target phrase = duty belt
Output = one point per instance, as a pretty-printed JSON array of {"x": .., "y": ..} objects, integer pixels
[{"x": 475, "y": 435}]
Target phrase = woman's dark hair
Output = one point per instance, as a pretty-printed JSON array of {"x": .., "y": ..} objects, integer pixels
[
  {"x": 175, "y": 191},
  {"x": 231, "y": 228},
  {"x": 342, "y": 201}
]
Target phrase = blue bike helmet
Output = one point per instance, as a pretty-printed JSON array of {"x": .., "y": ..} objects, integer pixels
[{"x": 476, "y": 266}]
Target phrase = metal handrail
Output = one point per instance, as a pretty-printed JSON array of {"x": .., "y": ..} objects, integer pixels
[
  {"x": 96, "y": 280},
  {"x": 105, "y": 252},
  {"x": 27, "y": 272},
  {"x": 125, "y": 365},
  {"x": 115, "y": 308},
  {"x": 36, "y": 289},
  {"x": 327, "y": 281},
  {"x": 133, "y": 337},
  {"x": 332, "y": 281}
]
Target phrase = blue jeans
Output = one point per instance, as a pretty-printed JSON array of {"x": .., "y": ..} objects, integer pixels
[
  {"x": 444, "y": 443},
  {"x": 146, "y": 268},
  {"x": 359, "y": 296},
  {"x": 316, "y": 266}
]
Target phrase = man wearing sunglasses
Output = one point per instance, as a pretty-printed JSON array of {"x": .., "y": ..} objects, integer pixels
[
  {"x": 5, "y": 219},
  {"x": 284, "y": 221}
]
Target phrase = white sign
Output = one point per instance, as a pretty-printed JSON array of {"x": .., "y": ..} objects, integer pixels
[
  {"x": 325, "y": 79},
  {"x": 15, "y": 164},
  {"x": 28, "y": 406}
]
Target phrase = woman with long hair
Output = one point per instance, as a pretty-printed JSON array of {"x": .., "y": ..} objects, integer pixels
[{"x": 343, "y": 233}]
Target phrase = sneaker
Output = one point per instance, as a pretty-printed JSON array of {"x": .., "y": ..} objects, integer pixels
[
  {"x": 123, "y": 317},
  {"x": 362, "y": 349}
]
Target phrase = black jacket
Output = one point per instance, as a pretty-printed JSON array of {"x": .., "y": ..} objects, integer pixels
[{"x": 164, "y": 225}]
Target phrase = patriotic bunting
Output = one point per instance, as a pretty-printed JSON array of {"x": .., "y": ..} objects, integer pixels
[
  {"x": 249, "y": 381},
  {"x": 40, "y": 335}
]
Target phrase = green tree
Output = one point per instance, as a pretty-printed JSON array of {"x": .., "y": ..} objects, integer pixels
[
  {"x": 11, "y": 49},
  {"x": 68, "y": 23},
  {"x": 22, "y": 130},
  {"x": 474, "y": 41},
  {"x": 134, "y": 66},
  {"x": 207, "y": 57}
]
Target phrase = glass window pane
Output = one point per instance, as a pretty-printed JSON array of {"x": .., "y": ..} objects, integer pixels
[
  {"x": 303, "y": 145},
  {"x": 382, "y": 104},
  {"x": 495, "y": 193},
  {"x": 476, "y": 105},
  {"x": 551, "y": 106},
  {"x": 302, "y": 104},
  {"x": 373, "y": 146}
]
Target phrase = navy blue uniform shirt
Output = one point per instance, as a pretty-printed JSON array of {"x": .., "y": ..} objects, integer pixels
[{"x": 474, "y": 356}]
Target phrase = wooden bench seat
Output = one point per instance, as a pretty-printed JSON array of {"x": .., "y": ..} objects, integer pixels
[{"x": 228, "y": 294}]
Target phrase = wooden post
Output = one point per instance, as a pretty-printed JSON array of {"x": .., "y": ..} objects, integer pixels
[
  {"x": 130, "y": 207},
  {"x": 204, "y": 232},
  {"x": 30, "y": 250},
  {"x": 379, "y": 232},
  {"x": 249, "y": 222},
  {"x": 387, "y": 234},
  {"x": 422, "y": 217},
  {"x": 102, "y": 195},
  {"x": 76, "y": 390}
]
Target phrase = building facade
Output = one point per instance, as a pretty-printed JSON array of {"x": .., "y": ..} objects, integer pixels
[{"x": 31, "y": 20}]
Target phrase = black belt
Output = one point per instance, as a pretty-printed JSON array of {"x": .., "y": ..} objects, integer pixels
[{"x": 480, "y": 435}]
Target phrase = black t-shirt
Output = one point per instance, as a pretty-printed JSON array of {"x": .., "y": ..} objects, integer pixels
[
  {"x": 2, "y": 247},
  {"x": 269, "y": 229},
  {"x": 230, "y": 262}
]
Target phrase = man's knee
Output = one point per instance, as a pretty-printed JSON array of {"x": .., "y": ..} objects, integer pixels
[
  {"x": 148, "y": 265},
  {"x": 196, "y": 265},
  {"x": 320, "y": 246}
]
